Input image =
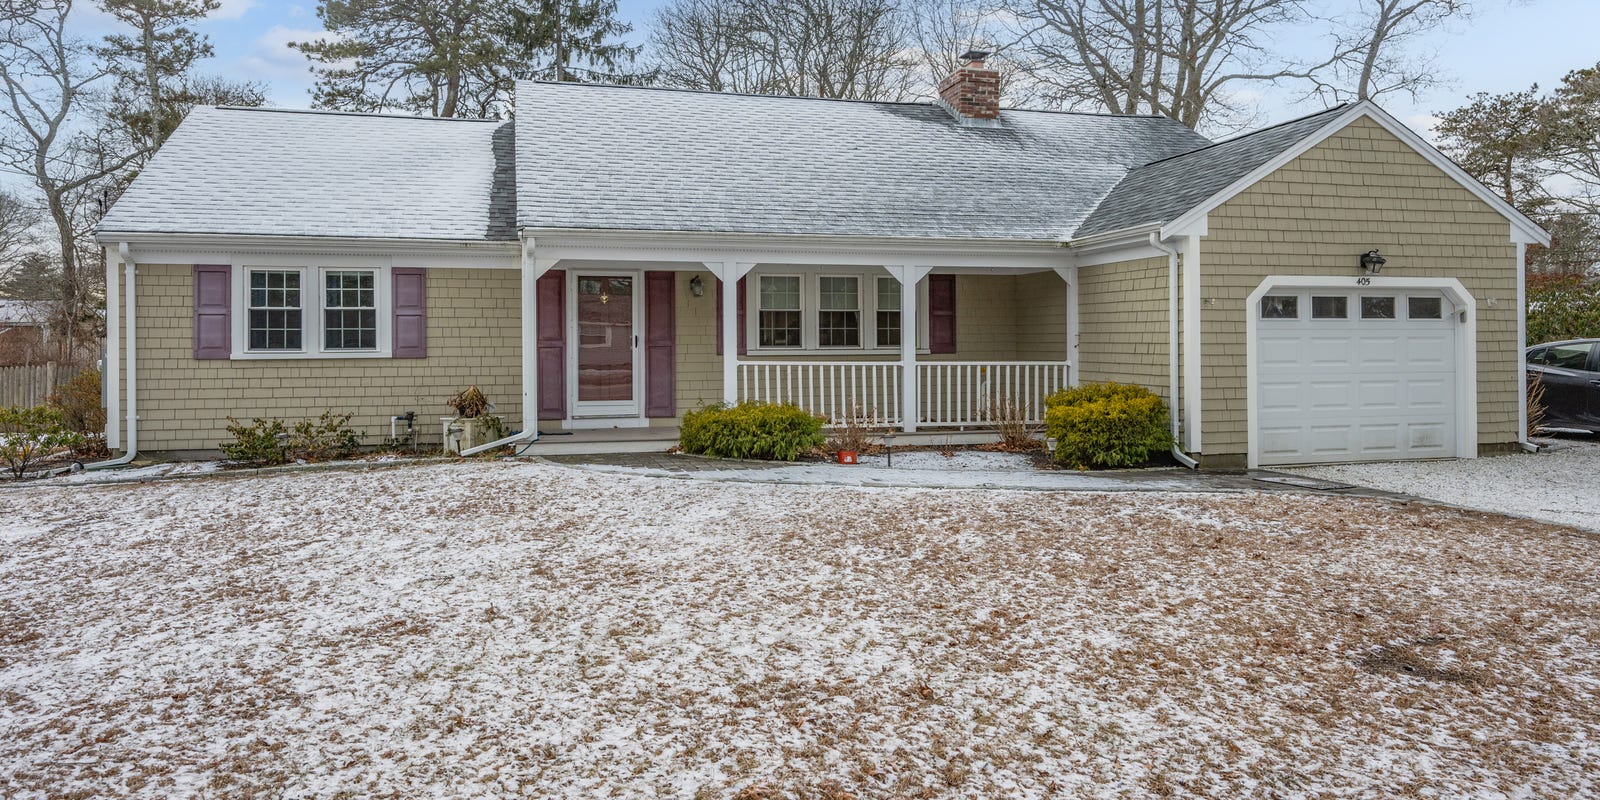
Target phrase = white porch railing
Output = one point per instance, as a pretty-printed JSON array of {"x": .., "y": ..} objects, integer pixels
[
  {"x": 950, "y": 393},
  {"x": 834, "y": 390},
  {"x": 969, "y": 393}
]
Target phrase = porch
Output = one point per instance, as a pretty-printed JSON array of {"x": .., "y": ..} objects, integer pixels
[{"x": 948, "y": 394}]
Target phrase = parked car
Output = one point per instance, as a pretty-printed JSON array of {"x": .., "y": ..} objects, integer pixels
[{"x": 1570, "y": 373}]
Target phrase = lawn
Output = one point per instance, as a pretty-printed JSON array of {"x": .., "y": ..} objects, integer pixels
[{"x": 500, "y": 629}]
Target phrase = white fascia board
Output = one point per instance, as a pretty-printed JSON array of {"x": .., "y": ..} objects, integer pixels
[
  {"x": 209, "y": 249},
  {"x": 1127, "y": 244},
  {"x": 1522, "y": 228},
  {"x": 700, "y": 248}
]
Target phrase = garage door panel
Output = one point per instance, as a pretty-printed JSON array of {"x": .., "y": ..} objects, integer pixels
[{"x": 1355, "y": 389}]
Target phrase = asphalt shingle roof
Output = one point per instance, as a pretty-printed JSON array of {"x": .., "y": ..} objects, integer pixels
[
  {"x": 1162, "y": 191},
  {"x": 592, "y": 156},
  {"x": 299, "y": 173}
]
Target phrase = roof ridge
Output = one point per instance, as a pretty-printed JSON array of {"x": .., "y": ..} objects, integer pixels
[
  {"x": 918, "y": 103},
  {"x": 338, "y": 113},
  {"x": 1248, "y": 134}
]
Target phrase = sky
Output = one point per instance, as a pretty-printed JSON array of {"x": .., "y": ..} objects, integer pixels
[{"x": 1507, "y": 45}]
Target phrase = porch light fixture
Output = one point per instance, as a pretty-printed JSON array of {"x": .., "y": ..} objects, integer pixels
[
  {"x": 1372, "y": 263},
  {"x": 697, "y": 287}
]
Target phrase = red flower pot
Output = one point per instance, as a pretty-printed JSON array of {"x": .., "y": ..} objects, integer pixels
[{"x": 847, "y": 457}]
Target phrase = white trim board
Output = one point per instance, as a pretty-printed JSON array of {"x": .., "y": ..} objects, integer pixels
[
  {"x": 1466, "y": 347},
  {"x": 1523, "y": 229}
]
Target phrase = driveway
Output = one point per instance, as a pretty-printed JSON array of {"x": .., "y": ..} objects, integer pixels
[
  {"x": 515, "y": 629},
  {"x": 1554, "y": 486}
]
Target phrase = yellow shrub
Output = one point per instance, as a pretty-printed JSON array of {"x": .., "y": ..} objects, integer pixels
[{"x": 1106, "y": 425}]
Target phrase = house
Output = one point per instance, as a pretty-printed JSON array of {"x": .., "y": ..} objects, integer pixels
[
  {"x": 1328, "y": 289},
  {"x": 25, "y": 332}
]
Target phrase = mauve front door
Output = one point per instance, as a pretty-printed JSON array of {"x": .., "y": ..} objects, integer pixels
[{"x": 606, "y": 345}]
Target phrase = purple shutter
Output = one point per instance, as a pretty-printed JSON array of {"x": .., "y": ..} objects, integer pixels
[
  {"x": 213, "y": 302},
  {"x": 941, "y": 313},
  {"x": 740, "y": 300},
  {"x": 661, "y": 388},
  {"x": 552, "y": 344},
  {"x": 410, "y": 312}
]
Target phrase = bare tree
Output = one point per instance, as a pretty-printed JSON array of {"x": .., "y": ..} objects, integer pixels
[
  {"x": 48, "y": 78},
  {"x": 1185, "y": 59},
  {"x": 852, "y": 49},
  {"x": 19, "y": 235},
  {"x": 1374, "y": 52},
  {"x": 940, "y": 30}
]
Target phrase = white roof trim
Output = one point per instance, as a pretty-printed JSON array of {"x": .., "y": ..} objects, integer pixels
[{"x": 1523, "y": 229}]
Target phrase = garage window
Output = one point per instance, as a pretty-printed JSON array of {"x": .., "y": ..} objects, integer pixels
[
  {"x": 1280, "y": 306},
  {"x": 1377, "y": 308},
  {"x": 1425, "y": 307},
  {"x": 1330, "y": 307}
]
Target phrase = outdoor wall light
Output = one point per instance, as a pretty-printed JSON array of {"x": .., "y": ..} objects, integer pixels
[
  {"x": 1372, "y": 262},
  {"x": 697, "y": 287}
]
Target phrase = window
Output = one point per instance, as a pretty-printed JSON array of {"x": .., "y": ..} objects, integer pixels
[
  {"x": 778, "y": 320},
  {"x": 839, "y": 312},
  {"x": 1425, "y": 307},
  {"x": 1565, "y": 356},
  {"x": 1280, "y": 306},
  {"x": 1377, "y": 308},
  {"x": 350, "y": 310},
  {"x": 275, "y": 309},
  {"x": 1330, "y": 307},
  {"x": 888, "y": 312}
]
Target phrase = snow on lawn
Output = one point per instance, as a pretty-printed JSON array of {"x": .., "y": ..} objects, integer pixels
[
  {"x": 505, "y": 629},
  {"x": 1556, "y": 486}
]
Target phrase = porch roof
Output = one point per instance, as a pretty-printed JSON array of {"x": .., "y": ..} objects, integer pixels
[{"x": 628, "y": 158}]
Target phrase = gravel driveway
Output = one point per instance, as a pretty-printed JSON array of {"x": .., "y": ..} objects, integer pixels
[{"x": 1554, "y": 486}]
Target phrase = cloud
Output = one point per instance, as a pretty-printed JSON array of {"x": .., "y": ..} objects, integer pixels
[
  {"x": 231, "y": 9},
  {"x": 1425, "y": 124}
]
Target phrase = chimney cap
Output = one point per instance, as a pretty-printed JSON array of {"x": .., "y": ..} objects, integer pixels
[{"x": 974, "y": 55}]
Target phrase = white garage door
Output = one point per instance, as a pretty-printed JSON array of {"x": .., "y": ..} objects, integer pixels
[{"x": 1360, "y": 375}]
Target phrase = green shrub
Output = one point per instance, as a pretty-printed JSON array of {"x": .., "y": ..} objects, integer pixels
[
  {"x": 1562, "y": 307},
  {"x": 750, "y": 430},
  {"x": 1103, "y": 425},
  {"x": 82, "y": 409},
  {"x": 31, "y": 435},
  {"x": 263, "y": 442},
  {"x": 326, "y": 437}
]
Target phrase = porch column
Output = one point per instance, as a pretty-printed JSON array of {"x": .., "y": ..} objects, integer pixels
[
  {"x": 1070, "y": 275},
  {"x": 909, "y": 277},
  {"x": 533, "y": 269},
  {"x": 729, "y": 273}
]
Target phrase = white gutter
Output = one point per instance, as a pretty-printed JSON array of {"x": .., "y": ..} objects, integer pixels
[
  {"x": 1172, "y": 347},
  {"x": 1522, "y": 349},
  {"x": 132, "y": 448}
]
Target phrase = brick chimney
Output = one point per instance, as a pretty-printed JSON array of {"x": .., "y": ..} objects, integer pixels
[{"x": 972, "y": 92}]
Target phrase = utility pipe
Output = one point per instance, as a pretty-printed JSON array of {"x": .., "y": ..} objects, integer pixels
[
  {"x": 1172, "y": 347},
  {"x": 130, "y": 347}
]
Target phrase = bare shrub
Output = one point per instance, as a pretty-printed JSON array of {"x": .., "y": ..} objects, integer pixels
[
  {"x": 854, "y": 434},
  {"x": 1010, "y": 419},
  {"x": 1536, "y": 407}
]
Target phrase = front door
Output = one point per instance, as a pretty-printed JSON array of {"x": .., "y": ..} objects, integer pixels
[{"x": 605, "y": 314}]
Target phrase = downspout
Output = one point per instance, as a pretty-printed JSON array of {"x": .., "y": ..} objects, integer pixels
[
  {"x": 1172, "y": 347},
  {"x": 530, "y": 356},
  {"x": 131, "y": 368}
]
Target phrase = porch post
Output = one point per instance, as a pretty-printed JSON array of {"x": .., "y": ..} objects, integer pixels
[
  {"x": 532, "y": 270},
  {"x": 729, "y": 273},
  {"x": 1070, "y": 275},
  {"x": 910, "y": 394}
]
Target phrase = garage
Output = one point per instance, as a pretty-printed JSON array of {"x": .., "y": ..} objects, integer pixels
[{"x": 1366, "y": 374}]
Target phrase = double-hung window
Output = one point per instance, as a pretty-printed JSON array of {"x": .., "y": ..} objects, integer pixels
[
  {"x": 311, "y": 312},
  {"x": 888, "y": 313},
  {"x": 778, "y": 320},
  {"x": 350, "y": 311},
  {"x": 839, "y": 311},
  {"x": 277, "y": 315}
]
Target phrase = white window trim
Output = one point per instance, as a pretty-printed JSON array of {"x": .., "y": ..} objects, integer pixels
[
  {"x": 861, "y": 314},
  {"x": 811, "y": 304},
  {"x": 312, "y": 298}
]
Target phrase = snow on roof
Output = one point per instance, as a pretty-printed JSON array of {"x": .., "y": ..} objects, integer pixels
[
  {"x": 308, "y": 173},
  {"x": 597, "y": 156},
  {"x": 25, "y": 312}
]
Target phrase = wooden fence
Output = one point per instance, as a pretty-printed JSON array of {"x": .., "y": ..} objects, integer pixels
[{"x": 30, "y": 385}]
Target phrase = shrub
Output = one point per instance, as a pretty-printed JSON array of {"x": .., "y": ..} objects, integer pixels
[
  {"x": 1562, "y": 307},
  {"x": 326, "y": 437},
  {"x": 31, "y": 435},
  {"x": 750, "y": 430},
  {"x": 1010, "y": 420},
  {"x": 1106, "y": 425},
  {"x": 263, "y": 442},
  {"x": 82, "y": 409},
  {"x": 854, "y": 435}
]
